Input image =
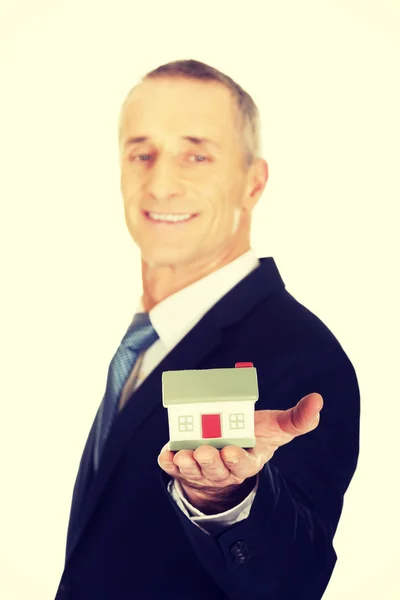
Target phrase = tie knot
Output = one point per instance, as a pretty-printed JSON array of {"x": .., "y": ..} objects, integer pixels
[{"x": 140, "y": 334}]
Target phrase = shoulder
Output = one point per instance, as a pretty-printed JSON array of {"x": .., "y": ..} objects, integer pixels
[{"x": 284, "y": 331}]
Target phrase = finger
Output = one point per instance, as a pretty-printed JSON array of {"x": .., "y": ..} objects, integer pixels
[
  {"x": 212, "y": 466},
  {"x": 187, "y": 465},
  {"x": 165, "y": 461},
  {"x": 303, "y": 417},
  {"x": 240, "y": 463}
]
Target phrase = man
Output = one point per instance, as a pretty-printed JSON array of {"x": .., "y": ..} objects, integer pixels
[{"x": 241, "y": 524}]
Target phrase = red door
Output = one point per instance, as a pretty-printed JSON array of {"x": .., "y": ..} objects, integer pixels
[{"x": 211, "y": 426}]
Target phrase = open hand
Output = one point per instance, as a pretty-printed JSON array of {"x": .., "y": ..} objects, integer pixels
[{"x": 206, "y": 471}]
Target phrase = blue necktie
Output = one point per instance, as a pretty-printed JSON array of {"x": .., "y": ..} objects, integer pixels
[{"x": 139, "y": 336}]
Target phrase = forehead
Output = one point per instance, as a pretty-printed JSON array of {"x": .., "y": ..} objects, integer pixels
[{"x": 184, "y": 106}]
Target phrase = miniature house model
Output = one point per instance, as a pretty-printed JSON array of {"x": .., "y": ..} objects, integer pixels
[{"x": 211, "y": 406}]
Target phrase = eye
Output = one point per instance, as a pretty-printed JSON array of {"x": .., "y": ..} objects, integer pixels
[
  {"x": 140, "y": 157},
  {"x": 147, "y": 157},
  {"x": 201, "y": 157}
]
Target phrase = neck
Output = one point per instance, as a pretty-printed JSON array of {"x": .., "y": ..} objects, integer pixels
[{"x": 162, "y": 280}]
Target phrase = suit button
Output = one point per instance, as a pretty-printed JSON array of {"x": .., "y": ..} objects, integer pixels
[{"x": 241, "y": 552}]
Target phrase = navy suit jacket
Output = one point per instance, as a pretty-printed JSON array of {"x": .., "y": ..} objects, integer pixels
[{"x": 128, "y": 540}]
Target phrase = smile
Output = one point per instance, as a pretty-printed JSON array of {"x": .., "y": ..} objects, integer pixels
[{"x": 170, "y": 217}]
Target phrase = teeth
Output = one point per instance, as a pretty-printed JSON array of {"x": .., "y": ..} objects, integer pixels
[{"x": 172, "y": 217}]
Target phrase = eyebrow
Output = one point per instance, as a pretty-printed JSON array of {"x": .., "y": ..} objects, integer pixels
[{"x": 190, "y": 138}]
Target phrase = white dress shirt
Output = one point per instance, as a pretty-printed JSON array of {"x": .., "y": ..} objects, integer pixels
[{"x": 172, "y": 319}]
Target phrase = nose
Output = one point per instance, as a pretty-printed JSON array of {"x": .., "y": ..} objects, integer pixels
[{"x": 164, "y": 180}]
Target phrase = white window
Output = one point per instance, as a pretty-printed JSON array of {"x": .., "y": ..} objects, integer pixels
[
  {"x": 236, "y": 421},
  {"x": 185, "y": 423}
]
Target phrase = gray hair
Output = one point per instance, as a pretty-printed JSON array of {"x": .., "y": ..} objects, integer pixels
[{"x": 248, "y": 114}]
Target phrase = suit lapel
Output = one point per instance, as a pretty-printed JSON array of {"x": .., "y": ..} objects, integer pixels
[
  {"x": 83, "y": 482},
  {"x": 190, "y": 351}
]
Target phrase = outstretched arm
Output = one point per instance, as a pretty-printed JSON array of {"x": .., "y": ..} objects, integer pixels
[{"x": 284, "y": 548}]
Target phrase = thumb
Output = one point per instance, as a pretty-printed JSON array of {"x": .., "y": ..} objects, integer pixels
[{"x": 303, "y": 417}]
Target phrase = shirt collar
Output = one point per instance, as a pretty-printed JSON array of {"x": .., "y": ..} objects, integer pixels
[{"x": 175, "y": 316}]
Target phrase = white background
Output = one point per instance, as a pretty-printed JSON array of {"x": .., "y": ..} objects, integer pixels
[{"x": 325, "y": 75}]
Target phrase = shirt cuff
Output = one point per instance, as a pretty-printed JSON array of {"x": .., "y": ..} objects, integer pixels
[{"x": 211, "y": 523}]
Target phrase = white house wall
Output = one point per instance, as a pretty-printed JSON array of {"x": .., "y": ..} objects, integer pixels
[{"x": 222, "y": 408}]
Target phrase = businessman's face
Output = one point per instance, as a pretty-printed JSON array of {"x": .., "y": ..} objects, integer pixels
[{"x": 182, "y": 160}]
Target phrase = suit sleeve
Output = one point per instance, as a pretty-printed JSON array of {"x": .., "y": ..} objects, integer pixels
[
  {"x": 284, "y": 548},
  {"x": 216, "y": 522}
]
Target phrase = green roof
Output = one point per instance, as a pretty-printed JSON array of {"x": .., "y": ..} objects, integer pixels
[{"x": 209, "y": 385}]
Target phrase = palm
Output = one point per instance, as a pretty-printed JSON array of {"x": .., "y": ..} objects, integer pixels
[{"x": 208, "y": 467}]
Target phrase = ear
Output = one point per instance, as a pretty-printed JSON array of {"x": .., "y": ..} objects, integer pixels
[{"x": 256, "y": 181}]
